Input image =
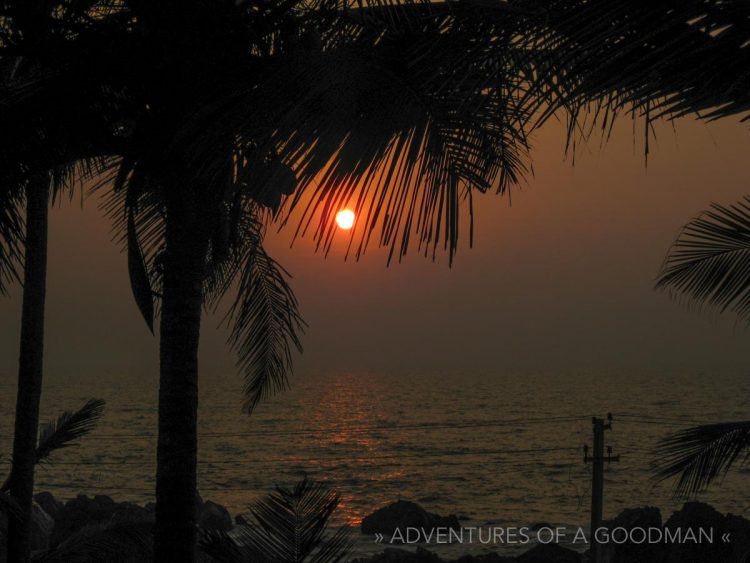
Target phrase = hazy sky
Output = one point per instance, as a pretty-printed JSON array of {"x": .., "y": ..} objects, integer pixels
[{"x": 560, "y": 280}]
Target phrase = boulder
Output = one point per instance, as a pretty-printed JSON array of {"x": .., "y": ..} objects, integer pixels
[
  {"x": 214, "y": 516},
  {"x": 698, "y": 515},
  {"x": 738, "y": 529},
  {"x": 49, "y": 503},
  {"x": 42, "y": 525},
  {"x": 395, "y": 555},
  {"x": 3, "y": 536},
  {"x": 551, "y": 553},
  {"x": 403, "y": 514},
  {"x": 645, "y": 517},
  {"x": 101, "y": 510},
  {"x": 79, "y": 512},
  {"x": 131, "y": 512},
  {"x": 695, "y": 516},
  {"x": 487, "y": 558}
]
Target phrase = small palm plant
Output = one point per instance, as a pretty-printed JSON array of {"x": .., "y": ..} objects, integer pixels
[
  {"x": 289, "y": 527},
  {"x": 709, "y": 265},
  {"x": 65, "y": 431}
]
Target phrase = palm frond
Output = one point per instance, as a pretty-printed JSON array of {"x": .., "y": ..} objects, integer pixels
[
  {"x": 11, "y": 233},
  {"x": 699, "y": 455},
  {"x": 406, "y": 108},
  {"x": 123, "y": 542},
  {"x": 68, "y": 428},
  {"x": 660, "y": 58},
  {"x": 138, "y": 272},
  {"x": 220, "y": 546},
  {"x": 132, "y": 202},
  {"x": 266, "y": 322},
  {"x": 709, "y": 262},
  {"x": 291, "y": 525},
  {"x": 400, "y": 114}
]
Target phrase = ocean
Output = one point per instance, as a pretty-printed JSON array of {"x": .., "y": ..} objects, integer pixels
[{"x": 494, "y": 449}]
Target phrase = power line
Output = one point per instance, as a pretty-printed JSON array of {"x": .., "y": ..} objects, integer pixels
[
  {"x": 345, "y": 458},
  {"x": 659, "y": 419},
  {"x": 150, "y": 485},
  {"x": 358, "y": 429}
]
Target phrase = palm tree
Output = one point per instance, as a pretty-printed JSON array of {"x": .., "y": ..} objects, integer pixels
[
  {"x": 35, "y": 190},
  {"x": 30, "y": 359},
  {"x": 709, "y": 264},
  {"x": 38, "y": 158},
  {"x": 63, "y": 432},
  {"x": 246, "y": 117},
  {"x": 402, "y": 109}
]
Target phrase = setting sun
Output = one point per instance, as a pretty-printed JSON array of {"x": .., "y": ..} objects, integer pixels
[{"x": 345, "y": 219}]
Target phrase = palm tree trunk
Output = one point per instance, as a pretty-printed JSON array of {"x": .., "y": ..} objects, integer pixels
[
  {"x": 29, "y": 366},
  {"x": 176, "y": 481}
]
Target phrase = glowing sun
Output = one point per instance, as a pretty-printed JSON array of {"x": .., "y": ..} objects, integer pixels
[{"x": 345, "y": 219}]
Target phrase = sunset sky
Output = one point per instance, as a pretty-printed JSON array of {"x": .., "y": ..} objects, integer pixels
[{"x": 561, "y": 280}]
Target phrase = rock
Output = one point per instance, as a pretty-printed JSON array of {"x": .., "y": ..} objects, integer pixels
[
  {"x": 131, "y": 512},
  {"x": 49, "y": 503},
  {"x": 646, "y": 517},
  {"x": 79, "y": 512},
  {"x": 738, "y": 529},
  {"x": 487, "y": 558},
  {"x": 395, "y": 555},
  {"x": 100, "y": 510},
  {"x": 42, "y": 525},
  {"x": 214, "y": 516},
  {"x": 698, "y": 516},
  {"x": 403, "y": 514},
  {"x": 551, "y": 553},
  {"x": 3, "y": 536},
  {"x": 694, "y": 515}
]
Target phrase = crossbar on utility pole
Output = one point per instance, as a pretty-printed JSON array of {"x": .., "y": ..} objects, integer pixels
[{"x": 597, "y": 479}]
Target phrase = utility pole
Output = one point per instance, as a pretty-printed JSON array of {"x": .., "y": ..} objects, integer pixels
[{"x": 597, "y": 479}]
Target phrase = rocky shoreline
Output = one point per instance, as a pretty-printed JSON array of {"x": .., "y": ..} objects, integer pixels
[
  {"x": 697, "y": 533},
  {"x": 54, "y": 521}
]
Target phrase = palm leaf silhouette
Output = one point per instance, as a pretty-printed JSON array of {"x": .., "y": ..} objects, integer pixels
[
  {"x": 701, "y": 454},
  {"x": 222, "y": 548},
  {"x": 266, "y": 324},
  {"x": 289, "y": 527},
  {"x": 68, "y": 428},
  {"x": 64, "y": 431},
  {"x": 11, "y": 234},
  {"x": 124, "y": 542},
  {"x": 291, "y": 524},
  {"x": 709, "y": 262}
]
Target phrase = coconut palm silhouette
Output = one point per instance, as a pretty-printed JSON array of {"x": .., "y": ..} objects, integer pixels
[
  {"x": 41, "y": 157},
  {"x": 709, "y": 264}
]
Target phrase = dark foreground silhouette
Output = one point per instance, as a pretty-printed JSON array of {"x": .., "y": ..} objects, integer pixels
[{"x": 292, "y": 526}]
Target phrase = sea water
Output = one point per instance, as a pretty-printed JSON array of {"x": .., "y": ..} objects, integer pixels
[{"x": 501, "y": 449}]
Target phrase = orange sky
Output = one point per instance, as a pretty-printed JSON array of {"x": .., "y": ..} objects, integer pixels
[{"x": 561, "y": 280}]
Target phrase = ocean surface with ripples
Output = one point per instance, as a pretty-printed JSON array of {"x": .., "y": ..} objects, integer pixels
[{"x": 503, "y": 449}]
